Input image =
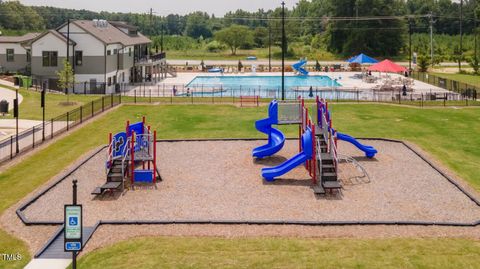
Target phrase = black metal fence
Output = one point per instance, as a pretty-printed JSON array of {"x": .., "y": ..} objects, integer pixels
[
  {"x": 182, "y": 95},
  {"x": 36, "y": 135},
  {"x": 448, "y": 84}
]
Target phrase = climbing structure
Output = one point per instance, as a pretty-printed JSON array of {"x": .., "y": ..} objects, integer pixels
[
  {"x": 317, "y": 143},
  {"x": 131, "y": 157}
]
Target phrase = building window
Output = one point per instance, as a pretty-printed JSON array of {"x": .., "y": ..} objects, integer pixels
[
  {"x": 78, "y": 57},
  {"x": 29, "y": 56},
  {"x": 109, "y": 52},
  {"x": 115, "y": 51},
  {"x": 10, "y": 55},
  {"x": 49, "y": 58},
  {"x": 129, "y": 52},
  {"x": 109, "y": 81}
]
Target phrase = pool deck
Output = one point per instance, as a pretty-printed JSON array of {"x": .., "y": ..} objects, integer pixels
[{"x": 346, "y": 79}]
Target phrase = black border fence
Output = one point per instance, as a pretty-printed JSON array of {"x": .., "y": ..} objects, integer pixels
[{"x": 38, "y": 134}]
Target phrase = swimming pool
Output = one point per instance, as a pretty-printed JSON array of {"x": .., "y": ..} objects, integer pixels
[{"x": 264, "y": 82}]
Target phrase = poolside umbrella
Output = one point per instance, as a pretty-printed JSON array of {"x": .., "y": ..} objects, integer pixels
[
  {"x": 387, "y": 66},
  {"x": 362, "y": 59}
]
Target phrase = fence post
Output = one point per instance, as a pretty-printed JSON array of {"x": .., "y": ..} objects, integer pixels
[
  {"x": 51, "y": 128},
  {"x": 445, "y": 100},
  {"x": 33, "y": 137},
  {"x": 150, "y": 93},
  {"x": 103, "y": 103},
  {"x": 135, "y": 96},
  {"x": 81, "y": 114},
  {"x": 11, "y": 147},
  {"x": 68, "y": 119},
  {"x": 92, "y": 109},
  {"x": 111, "y": 100}
]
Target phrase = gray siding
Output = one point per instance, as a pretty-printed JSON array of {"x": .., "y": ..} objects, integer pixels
[
  {"x": 127, "y": 61},
  {"x": 20, "y": 62},
  {"x": 51, "y": 71},
  {"x": 91, "y": 65},
  {"x": 111, "y": 63}
]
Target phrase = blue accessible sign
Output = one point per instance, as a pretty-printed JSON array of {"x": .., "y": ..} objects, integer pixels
[
  {"x": 73, "y": 246},
  {"x": 73, "y": 227}
]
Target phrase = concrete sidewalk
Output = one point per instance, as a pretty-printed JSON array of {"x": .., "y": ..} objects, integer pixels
[
  {"x": 9, "y": 95},
  {"x": 48, "y": 263}
]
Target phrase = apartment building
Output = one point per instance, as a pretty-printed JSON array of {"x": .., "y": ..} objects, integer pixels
[
  {"x": 15, "y": 56},
  {"x": 103, "y": 55}
]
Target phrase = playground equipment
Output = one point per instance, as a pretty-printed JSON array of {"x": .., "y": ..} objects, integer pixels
[
  {"x": 299, "y": 67},
  {"x": 130, "y": 155},
  {"x": 278, "y": 114},
  {"x": 317, "y": 145}
]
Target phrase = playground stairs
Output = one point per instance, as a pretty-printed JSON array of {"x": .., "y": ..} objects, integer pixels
[
  {"x": 327, "y": 180},
  {"x": 114, "y": 178}
]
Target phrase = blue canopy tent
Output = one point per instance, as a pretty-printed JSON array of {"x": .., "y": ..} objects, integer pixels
[{"x": 362, "y": 59}]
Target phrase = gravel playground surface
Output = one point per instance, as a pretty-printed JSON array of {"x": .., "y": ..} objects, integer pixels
[{"x": 218, "y": 180}]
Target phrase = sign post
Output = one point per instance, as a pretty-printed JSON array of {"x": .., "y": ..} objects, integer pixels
[{"x": 73, "y": 231}]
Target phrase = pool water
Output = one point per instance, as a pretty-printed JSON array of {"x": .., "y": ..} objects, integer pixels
[{"x": 264, "y": 82}]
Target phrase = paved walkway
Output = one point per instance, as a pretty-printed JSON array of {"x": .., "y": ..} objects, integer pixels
[{"x": 48, "y": 263}]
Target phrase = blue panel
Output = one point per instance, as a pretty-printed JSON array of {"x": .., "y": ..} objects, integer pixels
[
  {"x": 119, "y": 142},
  {"x": 143, "y": 176}
]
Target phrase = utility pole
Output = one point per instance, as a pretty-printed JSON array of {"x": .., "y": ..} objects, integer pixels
[
  {"x": 461, "y": 37},
  {"x": 161, "y": 38},
  {"x": 151, "y": 18},
  {"x": 409, "y": 44},
  {"x": 68, "y": 56},
  {"x": 269, "y": 48},
  {"x": 283, "y": 50},
  {"x": 475, "y": 30},
  {"x": 431, "y": 38}
]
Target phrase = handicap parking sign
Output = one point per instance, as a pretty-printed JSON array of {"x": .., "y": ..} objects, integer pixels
[{"x": 73, "y": 221}]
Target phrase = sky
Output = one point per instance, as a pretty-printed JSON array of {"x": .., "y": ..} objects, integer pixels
[{"x": 164, "y": 7}]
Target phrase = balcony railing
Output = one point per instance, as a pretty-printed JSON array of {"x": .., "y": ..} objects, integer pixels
[{"x": 151, "y": 58}]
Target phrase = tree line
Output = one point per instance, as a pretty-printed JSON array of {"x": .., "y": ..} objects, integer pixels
[{"x": 313, "y": 23}]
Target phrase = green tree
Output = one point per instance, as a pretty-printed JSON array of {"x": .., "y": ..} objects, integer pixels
[
  {"x": 197, "y": 25},
  {"x": 235, "y": 37},
  {"x": 260, "y": 37},
  {"x": 66, "y": 78},
  {"x": 423, "y": 63},
  {"x": 14, "y": 15},
  {"x": 475, "y": 64},
  {"x": 376, "y": 37}
]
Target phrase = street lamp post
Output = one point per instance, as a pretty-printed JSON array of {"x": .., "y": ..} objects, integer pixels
[
  {"x": 283, "y": 50},
  {"x": 269, "y": 48}
]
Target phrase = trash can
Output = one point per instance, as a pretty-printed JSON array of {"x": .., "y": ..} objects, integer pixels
[
  {"x": 16, "y": 80},
  {"x": 4, "y": 107}
]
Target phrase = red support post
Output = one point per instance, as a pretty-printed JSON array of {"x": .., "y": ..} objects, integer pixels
[
  {"x": 110, "y": 150},
  {"x": 154, "y": 156},
  {"x": 314, "y": 155},
  {"x": 132, "y": 159},
  {"x": 149, "y": 146},
  {"x": 126, "y": 128}
]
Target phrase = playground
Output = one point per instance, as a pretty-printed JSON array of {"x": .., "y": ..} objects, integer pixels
[
  {"x": 219, "y": 182},
  {"x": 224, "y": 184}
]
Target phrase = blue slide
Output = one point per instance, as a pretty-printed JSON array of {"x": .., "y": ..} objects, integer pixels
[
  {"x": 299, "y": 67},
  {"x": 369, "y": 150},
  {"x": 276, "y": 139},
  {"x": 272, "y": 172}
]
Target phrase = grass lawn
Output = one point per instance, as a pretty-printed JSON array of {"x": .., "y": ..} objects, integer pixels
[
  {"x": 165, "y": 252},
  {"x": 465, "y": 78},
  {"x": 449, "y": 134},
  {"x": 242, "y": 54},
  {"x": 30, "y": 106}
]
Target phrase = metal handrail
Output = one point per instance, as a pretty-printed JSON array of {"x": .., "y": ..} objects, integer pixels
[
  {"x": 109, "y": 156},
  {"x": 357, "y": 165}
]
